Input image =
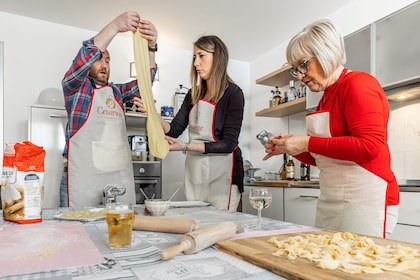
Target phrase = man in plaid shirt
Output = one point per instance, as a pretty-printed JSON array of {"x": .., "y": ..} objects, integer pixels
[{"x": 97, "y": 152}]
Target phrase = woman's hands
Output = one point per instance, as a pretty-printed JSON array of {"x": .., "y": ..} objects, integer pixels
[
  {"x": 286, "y": 144},
  {"x": 175, "y": 144}
]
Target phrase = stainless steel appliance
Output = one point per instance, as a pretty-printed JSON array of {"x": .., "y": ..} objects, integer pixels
[
  {"x": 147, "y": 176},
  {"x": 250, "y": 172},
  {"x": 138, "y": 144}
]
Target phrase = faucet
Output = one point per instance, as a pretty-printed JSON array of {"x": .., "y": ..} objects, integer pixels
[{"x": 111, "y": 192}]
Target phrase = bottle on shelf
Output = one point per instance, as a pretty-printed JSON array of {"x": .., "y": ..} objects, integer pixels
[
  {"x": 276, "y": 96},
  {"x": 304, "y": 171},
  {"x": 290, "y": 169},
  {"x": 292, "y": 94},
  {"x": 283, "y": 172},
  {"x": 284, "y": 100}
]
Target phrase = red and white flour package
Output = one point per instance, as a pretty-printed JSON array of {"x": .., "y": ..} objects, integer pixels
[{"x": 22, "y": 185}]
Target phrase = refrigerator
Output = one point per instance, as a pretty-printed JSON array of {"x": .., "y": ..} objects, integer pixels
[{"x": 46, "y": 128}]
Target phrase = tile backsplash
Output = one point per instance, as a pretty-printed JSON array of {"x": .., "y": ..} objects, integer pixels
[{"x": 404, "y": 141}]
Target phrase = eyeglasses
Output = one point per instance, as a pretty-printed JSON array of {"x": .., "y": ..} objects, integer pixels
[{"x": 302, "y": 68}]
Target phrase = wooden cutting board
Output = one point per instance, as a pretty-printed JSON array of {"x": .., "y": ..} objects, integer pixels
[{"x": 259, "y": 252}]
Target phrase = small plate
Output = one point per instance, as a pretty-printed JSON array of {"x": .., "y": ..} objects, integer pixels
[
  {"x": 185, "y": 204},
  {"x": 86, "y": 215}
]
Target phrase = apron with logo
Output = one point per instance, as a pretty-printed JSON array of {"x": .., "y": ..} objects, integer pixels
[
  {"x": 208, "y": 176},
  {"x": 352, "y": 198},
  {"x": 99, "y": 153}
]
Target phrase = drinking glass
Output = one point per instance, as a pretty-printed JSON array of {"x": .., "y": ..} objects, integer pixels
[
  {"x": 260, "y": 198},
  {"x": 119, "y": 217}
]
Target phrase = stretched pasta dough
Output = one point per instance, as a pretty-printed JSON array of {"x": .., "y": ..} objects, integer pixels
[{"x": 158, "y": 145}]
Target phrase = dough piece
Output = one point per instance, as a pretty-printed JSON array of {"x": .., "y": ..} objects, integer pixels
[
  {"x": 158, "y": 145},
  {"x": 348, "y": 252},
  {"x": 83, "y": 214}
]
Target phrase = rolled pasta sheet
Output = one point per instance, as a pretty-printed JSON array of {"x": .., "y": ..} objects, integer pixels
[{"x": 158, "y": 145}]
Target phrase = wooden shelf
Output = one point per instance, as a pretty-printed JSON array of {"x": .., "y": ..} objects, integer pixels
[
  {"x": 285, "y": 109},
  {"x": 278, "y": 78}
]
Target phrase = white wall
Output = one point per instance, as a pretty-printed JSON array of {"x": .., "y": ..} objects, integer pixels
[{"x": 38, "y": 53}]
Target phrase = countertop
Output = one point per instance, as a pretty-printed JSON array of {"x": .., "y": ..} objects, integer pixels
[{"x": 315, "y": 184}]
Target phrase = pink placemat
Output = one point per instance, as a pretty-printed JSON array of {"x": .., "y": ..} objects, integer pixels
[{"x": 45, "y": 246}]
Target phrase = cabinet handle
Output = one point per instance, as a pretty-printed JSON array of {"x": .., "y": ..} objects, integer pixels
[
  {"x": 308, "y": 196},
  {"x": 58, "y": 116}
]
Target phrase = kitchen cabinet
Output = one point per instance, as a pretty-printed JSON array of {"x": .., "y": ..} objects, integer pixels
[
  {"x": 46, "y": 128},
  {"x": 408, "y": 226},
  {"x": 300, "y": 205},
  {"x": 358, "y": 50},
  {"x": 398, "y": 45},
  {"x": 275, "y": 211}
]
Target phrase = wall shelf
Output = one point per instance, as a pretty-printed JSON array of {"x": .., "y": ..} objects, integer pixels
[
  {"x": 279, "y": 78},
  {"x": 285, "y": 109}
]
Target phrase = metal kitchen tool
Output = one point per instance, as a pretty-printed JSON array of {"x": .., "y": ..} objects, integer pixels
[
  {"x": 250, "y": 172},
  {"x": 145, "y": 196},
  {"x": 111, "y": 192},
  {"x": 172, "y": 196},
  {"x": 263, "y": 136}
]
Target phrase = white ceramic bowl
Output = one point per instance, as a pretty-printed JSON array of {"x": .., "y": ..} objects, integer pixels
[{"x": 157, "y": 207}]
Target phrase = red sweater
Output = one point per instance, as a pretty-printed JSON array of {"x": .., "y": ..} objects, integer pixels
[{"x": 359, "y": 113}]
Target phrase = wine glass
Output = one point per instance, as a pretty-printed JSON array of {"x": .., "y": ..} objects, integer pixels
[{"x": 260, "y": 198}]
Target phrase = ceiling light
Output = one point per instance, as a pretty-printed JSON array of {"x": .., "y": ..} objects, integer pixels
[{"x": 405, "y": 95}]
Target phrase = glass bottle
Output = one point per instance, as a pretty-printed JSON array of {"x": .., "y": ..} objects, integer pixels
[
  {"x": 283, "y": 172},
  {"x": 304, "y": 171},
  {"x": 284, "y": 100},
  {"x": 277, "y": 96},
  {"x": 290, "y": 169},
  {"x": 292, "y": 94}
]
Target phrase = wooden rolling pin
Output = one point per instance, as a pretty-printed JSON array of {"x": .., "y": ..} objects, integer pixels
[
  {"x": 198, "y": 240},
  {"x": 161, "y": 224}
]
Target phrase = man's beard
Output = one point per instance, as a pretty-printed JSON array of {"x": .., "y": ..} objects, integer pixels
[{"x": 99, "y": 77}]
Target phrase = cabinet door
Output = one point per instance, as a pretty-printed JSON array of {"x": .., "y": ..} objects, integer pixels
[
  {"x": 358, "y": 50},
  {"x": 397, "y": 46},
  {"x": 406, "y": 233},
  {"x": 409, "y": 209},
  {"x": 275, "y": 211},
  {"x": 46, "y": 128},
  {"x": 300, "y": 205}
]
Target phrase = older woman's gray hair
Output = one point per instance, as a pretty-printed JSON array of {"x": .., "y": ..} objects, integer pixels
[{"x": 321, "y": 39}]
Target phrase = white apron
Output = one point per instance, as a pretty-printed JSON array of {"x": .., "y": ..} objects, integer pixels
[
  {"x": 352, "y": 198},
  {"x": 99, "y": 153},
  {"x": 208, "y": 177}
]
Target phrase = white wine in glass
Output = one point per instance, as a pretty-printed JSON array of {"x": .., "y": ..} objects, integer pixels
[{"x": 260, "y": 199}]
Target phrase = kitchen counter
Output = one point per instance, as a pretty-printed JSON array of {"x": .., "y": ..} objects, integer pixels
[
  {"x": 284, "y": 183},
  {"x": 314, "y": 185}
]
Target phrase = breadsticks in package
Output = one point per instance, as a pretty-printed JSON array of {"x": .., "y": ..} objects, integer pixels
[{"x": 22, "y": 184}]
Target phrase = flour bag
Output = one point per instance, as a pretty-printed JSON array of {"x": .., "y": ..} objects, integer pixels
[{"x": 22, "y": 184}]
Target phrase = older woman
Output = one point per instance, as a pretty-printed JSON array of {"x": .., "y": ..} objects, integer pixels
[{"x": 347, "y": 136}]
